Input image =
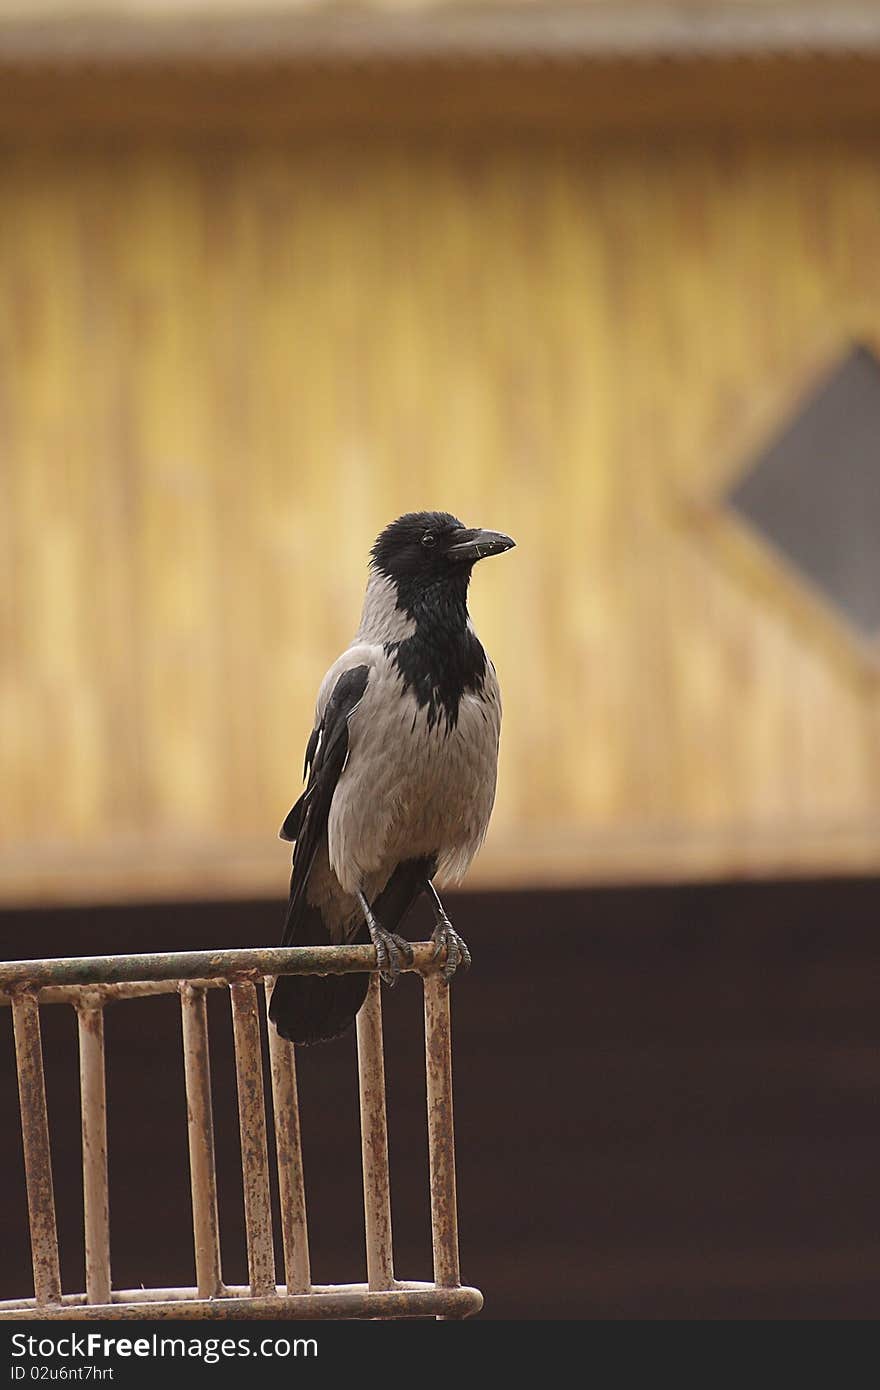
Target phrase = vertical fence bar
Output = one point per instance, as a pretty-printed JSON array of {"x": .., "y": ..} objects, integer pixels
[
  {"x": 441, "y": 1138},
  {"x": 374, "y": 1140},
  {"x": 93, "y": 1108},
  {"x": 288, "y": 1147},
  {"x": 254, "y": 1148},
  {"x": 200, "y": 1132},
  {"x": 37, "y": 1155}
]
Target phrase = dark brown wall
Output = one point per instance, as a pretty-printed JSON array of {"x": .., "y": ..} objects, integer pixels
[{"x": 666, "y": 1105}]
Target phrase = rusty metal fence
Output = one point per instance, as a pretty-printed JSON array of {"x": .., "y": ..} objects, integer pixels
[{"x": 89, "y": 984}]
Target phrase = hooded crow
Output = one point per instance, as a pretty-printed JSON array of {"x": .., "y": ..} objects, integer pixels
[{"x": 401, "y": 768}]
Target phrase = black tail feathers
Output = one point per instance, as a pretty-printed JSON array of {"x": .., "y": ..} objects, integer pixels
[{"x": 315, "y": 1008}]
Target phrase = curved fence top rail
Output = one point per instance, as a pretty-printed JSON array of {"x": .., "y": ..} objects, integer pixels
[{"x": 205, "y": 966}]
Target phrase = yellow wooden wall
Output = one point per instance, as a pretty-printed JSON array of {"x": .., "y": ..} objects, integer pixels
[{"x": 225, "y": 363}]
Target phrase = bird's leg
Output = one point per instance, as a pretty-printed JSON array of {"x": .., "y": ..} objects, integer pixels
[
  {"x": 391, "y": 950},
  {"x": 445, "y": 936}
]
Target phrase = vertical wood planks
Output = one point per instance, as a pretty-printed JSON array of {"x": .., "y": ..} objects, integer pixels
[{"x": 576, "y": 386}]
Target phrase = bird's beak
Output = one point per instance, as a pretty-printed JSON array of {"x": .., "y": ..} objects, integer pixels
[{"x": 470, "y": 546}]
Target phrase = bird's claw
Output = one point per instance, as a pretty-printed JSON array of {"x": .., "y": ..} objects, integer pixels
[
  {"x": 404, "y": 947},
  {"x": 445, "y": 937},
  {"x": 392, "y": 952}
]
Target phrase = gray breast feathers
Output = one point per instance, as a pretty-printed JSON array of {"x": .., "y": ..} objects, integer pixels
[{"x": 408, "y": 789}]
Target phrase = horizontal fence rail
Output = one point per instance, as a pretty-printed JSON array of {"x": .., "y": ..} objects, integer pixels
[{"x": 89, "y": 984}]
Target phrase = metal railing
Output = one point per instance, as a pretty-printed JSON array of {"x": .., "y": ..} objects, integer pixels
[{"x": 88, "y": 984}]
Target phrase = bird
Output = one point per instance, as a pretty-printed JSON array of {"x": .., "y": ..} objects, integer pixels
[{"x": 400, "y": 771}]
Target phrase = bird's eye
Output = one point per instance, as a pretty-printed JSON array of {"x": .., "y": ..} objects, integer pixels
[{"x": 428, "y": 539}]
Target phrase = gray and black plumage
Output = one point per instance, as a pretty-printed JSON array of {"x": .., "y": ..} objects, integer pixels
[{"x": 401, "y": 769}]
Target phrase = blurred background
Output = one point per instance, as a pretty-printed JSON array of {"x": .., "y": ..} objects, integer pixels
[{"x": 605, "y": 276}]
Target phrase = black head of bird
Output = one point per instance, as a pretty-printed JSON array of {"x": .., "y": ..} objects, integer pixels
[{"x": 424, "y": 550}]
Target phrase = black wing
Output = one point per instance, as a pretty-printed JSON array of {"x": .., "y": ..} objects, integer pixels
[
  {"x": 293, "y": 820},
  {"x": 325, "y": 757}
]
